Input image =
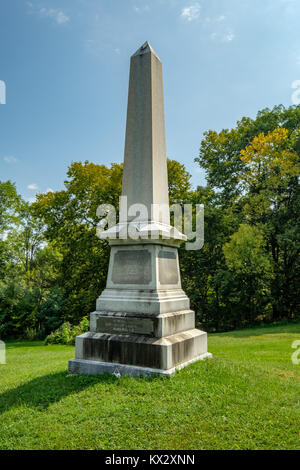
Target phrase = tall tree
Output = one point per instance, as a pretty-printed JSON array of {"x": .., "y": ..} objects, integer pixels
[{"x": 254, "y": 171}]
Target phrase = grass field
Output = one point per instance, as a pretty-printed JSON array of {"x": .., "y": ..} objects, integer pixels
[{"x": 246, "y": 397}]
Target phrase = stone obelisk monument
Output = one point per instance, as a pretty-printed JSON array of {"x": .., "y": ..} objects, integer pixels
[{"x": 143, "y": 324}]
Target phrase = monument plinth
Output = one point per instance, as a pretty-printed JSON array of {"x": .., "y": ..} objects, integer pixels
[{"x": 143, "y": 323}]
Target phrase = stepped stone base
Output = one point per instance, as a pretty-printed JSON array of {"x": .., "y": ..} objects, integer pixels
[
  {"x": 165, "y": 353},
  {"x": 84, "y": 367},
  {"x": 139, "y": 343}
]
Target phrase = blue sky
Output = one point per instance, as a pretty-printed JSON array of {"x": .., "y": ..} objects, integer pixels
[{"x": 66, "y": 66}]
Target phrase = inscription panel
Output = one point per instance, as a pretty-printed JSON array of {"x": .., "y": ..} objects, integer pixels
[
  {"x": 119, "y": 325},
  {"x": 168, "y": 269},
  {"x": 132, "y": 267}
]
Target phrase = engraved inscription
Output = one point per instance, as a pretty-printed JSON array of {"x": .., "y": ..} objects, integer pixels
[
  {"x": 168, "y": 269},
  {"x": 115, "y": 325},
  {"x": 132, "y": 267}
]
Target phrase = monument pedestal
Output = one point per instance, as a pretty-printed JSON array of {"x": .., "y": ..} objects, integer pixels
[
  {"x": 143, "y": 323},
  {"x": 137, "y": 354},
  {"x": 157, "y": 334}
]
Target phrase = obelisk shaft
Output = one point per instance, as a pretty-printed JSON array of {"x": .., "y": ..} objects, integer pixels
[{"x": 145, "y": 179}]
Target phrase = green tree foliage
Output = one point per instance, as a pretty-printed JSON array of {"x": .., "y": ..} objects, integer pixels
[
  {"x": 70, "y": 219},
  {"x": 220, "y": 153},
  {"x": 9, "y": 204},
  {"x": 66, "y": 333},
  {"x": 179, "y": 182},
  {"x": 253, "y": 171},
  {"x": 251, "y": 271},
  {"x": 30, "y": 301}
]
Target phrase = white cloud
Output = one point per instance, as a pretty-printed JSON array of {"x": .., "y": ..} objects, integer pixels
[
  {"x": 62, "y": 18},
  {"x": 217, "y": 27},
  {"x": 191, "y": 13},
  {"x": 57, "y": 15},
  {"x": 32, "y": 187},
  {"x": 10, "y": 159},
  {"x": 49, "y": 190},
  {"x": 141, "y": 9},
  {"x": 229, "y": 36},
  {"x": 225, "y": 37}
]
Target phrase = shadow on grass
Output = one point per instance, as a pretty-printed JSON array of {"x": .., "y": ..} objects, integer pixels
[
  {"x": 48, "y": 389},
  {"x": 43, "y": 391}
]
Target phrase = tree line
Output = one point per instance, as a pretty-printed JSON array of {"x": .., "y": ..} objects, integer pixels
[{"x": 53, "y": 266}]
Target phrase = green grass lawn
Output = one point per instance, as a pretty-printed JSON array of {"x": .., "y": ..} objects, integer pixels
[{"x": 246, "y": 397}]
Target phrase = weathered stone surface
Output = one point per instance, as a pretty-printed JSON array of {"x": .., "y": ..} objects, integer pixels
[
  {"x": 174, "y": 322},
  {"x": 143, "y": 265},
  {"x": 149, "y": 295},
  {"x": 132, "y": 267},
  {"x": 145, "y": 178},
  {"x": 122, "y": 323},
  {"x": 165, "y": 324},
  {"x": 163, "y": 353},
  {"x": 143, "y": 301},
  {"x": 83, "y": 367},
  {"x": 168, "y": 267}
]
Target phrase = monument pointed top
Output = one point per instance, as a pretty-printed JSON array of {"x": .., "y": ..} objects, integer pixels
[{"x": 145, "y": 49}]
